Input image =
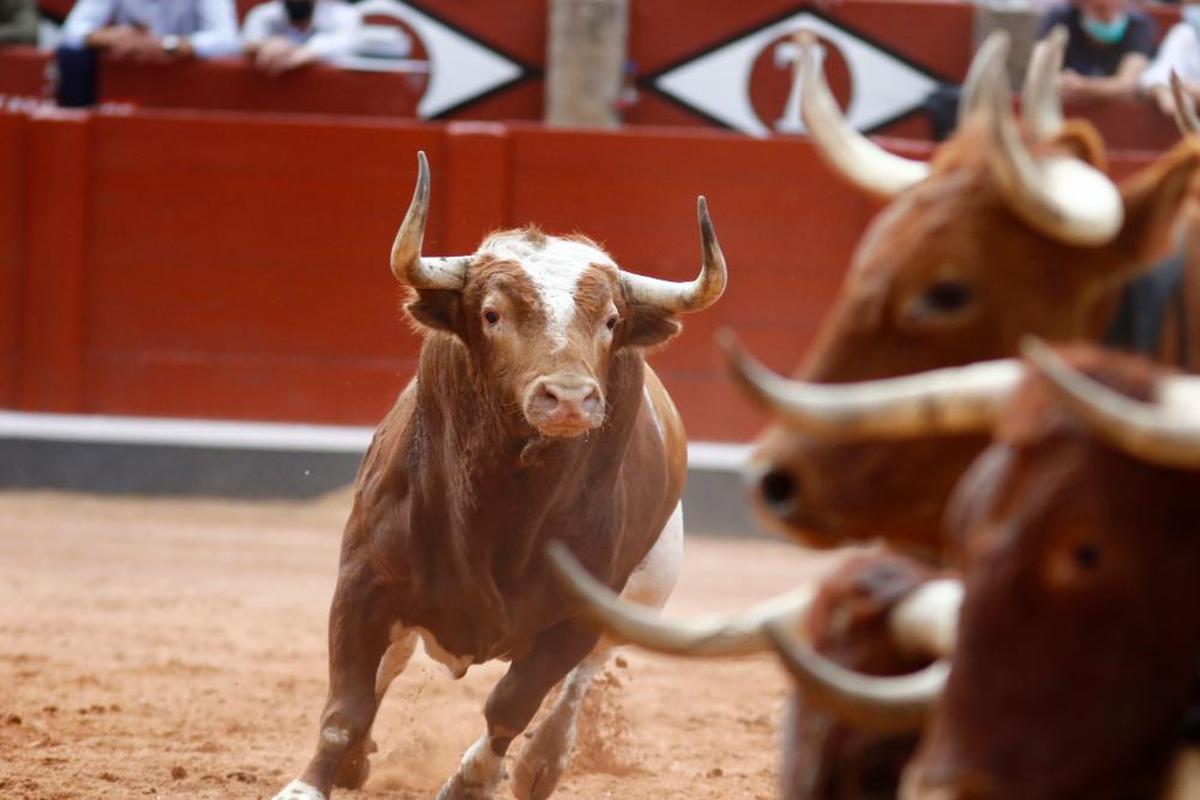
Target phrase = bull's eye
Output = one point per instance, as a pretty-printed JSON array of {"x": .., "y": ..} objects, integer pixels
[
  {"x": 491, "y": 316},
  {"x": 946, "y": 297},
  {"x": 611, "y": 322},
  {"x": 1087, "y": 555}
]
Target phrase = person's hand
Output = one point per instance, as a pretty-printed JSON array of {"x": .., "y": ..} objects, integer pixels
[
  {"x": 139, "y": 45},
  {"x": 1165, "y": 100},
  {"x": 111, "y": 36},
  {"x": 299, "y": 57},
  {"x": 273, "y": 55},
  {"x": 1072, "y": 85}
]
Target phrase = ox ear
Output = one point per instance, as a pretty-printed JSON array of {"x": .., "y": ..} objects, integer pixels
[
  {"x": 1153, "y": 198},
  {"x": 1079, "y": 138},
  {"x": 649, "y": 326},
  {"x": 439, "y": 309}
]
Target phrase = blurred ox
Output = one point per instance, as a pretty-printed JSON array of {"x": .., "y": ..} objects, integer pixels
[
  {"x": 532, "y": 416},
  {"x": 1079, "y": 528},
  {"x": 1004, "y": 233}
]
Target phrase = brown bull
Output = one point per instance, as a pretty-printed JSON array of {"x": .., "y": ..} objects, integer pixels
[
  {"x": 532, "y": 416},
  {"x": 1002, "y": 234},
  {"x": 1076, "y": 649}
]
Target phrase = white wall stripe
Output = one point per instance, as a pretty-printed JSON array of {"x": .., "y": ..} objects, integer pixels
[{"x": 220, "y": 434}]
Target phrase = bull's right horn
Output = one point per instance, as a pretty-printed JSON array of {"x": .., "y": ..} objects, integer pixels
[
  {"x": 862, "y": 162},
  {"x": 732, "y": 635},
  {"x": 1165, "y": 433},
  {"x": 1185, "y": 111},
  {"x": 942, "y": 401},
  {"x": 1041, "y": 106},
  {"x": 408, "y": 265},
  {"x": 1060, "y": 196},
  {"x": 886, "y": 704}
]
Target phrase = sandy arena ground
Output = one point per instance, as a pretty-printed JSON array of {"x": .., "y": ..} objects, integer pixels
[{"x": 170, "y": 648}]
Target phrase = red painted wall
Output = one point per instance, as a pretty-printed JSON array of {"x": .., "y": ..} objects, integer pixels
[{"x": 235, "y": 266}]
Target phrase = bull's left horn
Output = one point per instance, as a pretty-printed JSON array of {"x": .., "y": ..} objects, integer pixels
[
  {"x": 886, "y": 704},
  {"x": 1041, "y": 106},
  {"x": 862, "y": 162},
  {"x": 1060, "y": 196},
  {"x": 990, "y": 56},
  {"x": 951, "y": 400},
  {"x": 732, "y": 635},
  {"x": 1165, "y": 433},
  {"x": 686, "y": 296},
  {"x": 1185, "y": 112},
  {"x": 409, "y": 267}
]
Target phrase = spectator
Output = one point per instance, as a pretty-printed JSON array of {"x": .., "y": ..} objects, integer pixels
[
  {"x": 1109, "y": 45},
  {"x": 155, "y": 31},
  {"x": 18, "y": 22},
  {"x": 282, "y": 35},
  {"x": 1180, "y": 52}
]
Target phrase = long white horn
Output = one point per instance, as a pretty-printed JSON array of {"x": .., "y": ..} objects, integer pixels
[
  {"x": 687, "y": 296},
  {"x": 888, "y": 704},
  {"x": 1185, "y": 112},
  {"x": 409, "y": 267},
  {"x": 861, "y": 161},
  {"x": 991, "y": 56},
  {"x": 942, "y": 401},
  {"x": 730, "y": 635},
  {"x": 1165, "y": 433},
  {"x": 1041, "y": 106},
  {"x": 926, "y": 622},
  {"x": 1060, "y": 196}
]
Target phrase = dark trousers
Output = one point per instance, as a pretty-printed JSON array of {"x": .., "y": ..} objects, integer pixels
[{"x": 76, "y": 76}]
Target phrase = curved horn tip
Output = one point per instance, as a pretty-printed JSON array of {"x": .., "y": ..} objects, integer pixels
[
  {"x": 806, "y": 38},
  {"x": 727, "y": 342}
]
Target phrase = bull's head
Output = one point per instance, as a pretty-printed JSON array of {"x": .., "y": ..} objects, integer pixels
[
  {"x": 1075, "y": 651},
  {"x": 1005, "y": 232},
  {"x": 542, "y": 316}
]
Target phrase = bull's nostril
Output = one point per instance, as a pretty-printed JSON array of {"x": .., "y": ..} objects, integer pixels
[
  {"x": 545, "y": 399},
  {"x": 778, "y": 489},
  {"x": 591, "y": 402}
]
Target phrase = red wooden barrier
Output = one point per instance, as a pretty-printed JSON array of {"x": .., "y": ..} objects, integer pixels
[
  {"x": 22, "y": 71},
  {"x": 236, "y": 266}
]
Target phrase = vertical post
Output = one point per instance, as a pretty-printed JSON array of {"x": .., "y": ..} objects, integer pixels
[
  {"x": 586, "y": 61},
  {"x": 51, "y": 373}
]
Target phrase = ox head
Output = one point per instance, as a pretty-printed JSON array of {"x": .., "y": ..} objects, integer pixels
[
  {"x": 1079, "y": 536},
  {"x": 542, "y": 317},
  {"x": 1008, "y": 230}
]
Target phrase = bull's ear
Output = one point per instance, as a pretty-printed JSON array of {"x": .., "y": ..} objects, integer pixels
[
  {"x": 1153, "y": 198},
  {"x": 649, "y": 326},
  {"x": 440, "y": 309}
]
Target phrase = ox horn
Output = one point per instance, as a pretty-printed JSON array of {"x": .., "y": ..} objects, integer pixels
[
  {"x": 408, "y": 265},
  {"x": 862, "y": 162},
  {"x": 1041, "y": 106},
  {"x": 1165, "y": 433},
  {"x": 1185, "y": 112},
  {"x": 1060, "y": 196},
  {"x": 733, "y": 635},
  {"x": 688, "y": 296},
  {"x": 887, "y": 704},
  {"x": 990, "y": 56},
  {"x": 941, "y": 401}
]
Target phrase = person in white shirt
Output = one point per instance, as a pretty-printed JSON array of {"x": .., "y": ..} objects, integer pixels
[
  {"x": 153, "y": 30},
  {"x": 1180, "y": 51},
  {"x": 282, "y": 35}
]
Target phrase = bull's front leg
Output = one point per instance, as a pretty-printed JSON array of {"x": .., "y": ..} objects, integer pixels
[
  {"x": 359, "y": 618},
  {"x": 512, "y": 705}
]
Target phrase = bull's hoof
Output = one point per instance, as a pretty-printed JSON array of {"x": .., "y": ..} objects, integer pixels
[
  {"x": 536, "y": 778},
  {"x": 458, "y": 789},
  {"x": 299, "y": 790}
]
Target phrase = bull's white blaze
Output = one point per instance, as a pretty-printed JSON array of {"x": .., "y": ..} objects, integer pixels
[{"x": 554, "y": 269}]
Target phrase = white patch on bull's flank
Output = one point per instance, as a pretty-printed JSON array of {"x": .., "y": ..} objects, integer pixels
[{"x": 554, "y": 268}]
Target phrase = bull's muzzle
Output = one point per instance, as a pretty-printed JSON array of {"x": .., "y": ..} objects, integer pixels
[{"x": 564, "y": 405}]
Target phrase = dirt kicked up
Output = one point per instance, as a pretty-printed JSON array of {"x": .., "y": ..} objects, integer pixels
[{"x": 170, "y": 648}]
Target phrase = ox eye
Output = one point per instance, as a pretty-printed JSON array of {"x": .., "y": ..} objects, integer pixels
[
  {"x": 947, "y": 297},
  {"x": 1087, "y": 555},
  {"x": 611, "y": 322},
  {"x": 491, "y": 316}
]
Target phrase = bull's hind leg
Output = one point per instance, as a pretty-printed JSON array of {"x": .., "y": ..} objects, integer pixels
[
  {"x": 359, "y": 620},
  {"x": 545, "y": 758},
  {"x": 512, "y": 704}
]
